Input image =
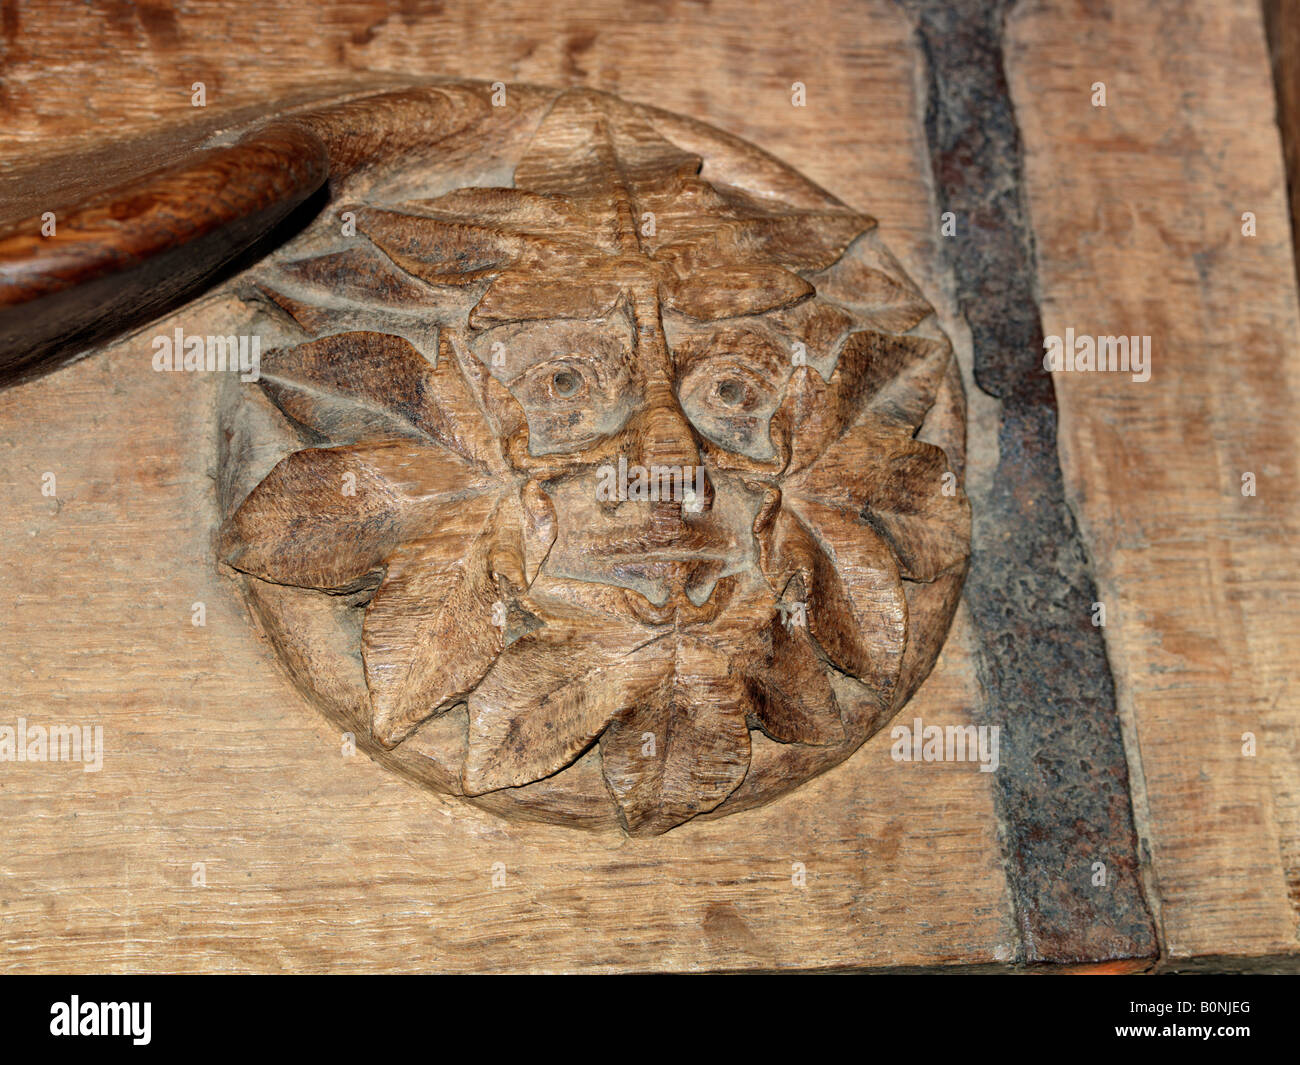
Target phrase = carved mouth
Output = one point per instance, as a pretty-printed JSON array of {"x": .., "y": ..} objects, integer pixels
[
  {"x": 661, "y": 579},
  {"x": 663, "y": 556},
  {"x": 692, "y": 575},
  {"x": 687, "y": 600},
  {"x": 660, "y": 569}
]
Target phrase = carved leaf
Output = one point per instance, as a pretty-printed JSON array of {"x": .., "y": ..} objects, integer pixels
[
  {"x": 734, "y": 291},
  {"x": 547, "y": 698},
  {"x": 894, "y": 377},
  {"x": 870, "y": 280},
  {"x": 783, "y": 674},
  {"x": 849, "y": 581},
  {"x": 822, "y": 326},
  {"x": 557, "y": 244},
  {"x": 516, "y": 295},
  {"x": 538, "y": 525},
  {"x": 368, "y": 386},
  {"x": 598, "y": 154},
  {"x": 357, "y": 274},
  {"x": 897, "y": 483},
  {"x": 525, "y": 527},
  {"x": 431, "y": 631},
  {"x": 798, "y": 240},
  {"x": 793, "y": 699},
  {"x": 326, "y": 517},
  {"x": 903, "y": 375},
  {"x": 887, "y": 304},
  {"x": 440, "y": 251},
  {"x": 516, "y": 211},
  {"x": 683, "y": 747}
]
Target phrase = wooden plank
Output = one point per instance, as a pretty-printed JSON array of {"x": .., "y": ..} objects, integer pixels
[
  {"x": 319, "y": 862},
  {"x": 315, "y": 861},
  {"x": 1137, "y": 209}
]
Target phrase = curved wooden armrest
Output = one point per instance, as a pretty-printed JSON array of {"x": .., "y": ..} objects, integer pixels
[{"x": 70, "y": 279}]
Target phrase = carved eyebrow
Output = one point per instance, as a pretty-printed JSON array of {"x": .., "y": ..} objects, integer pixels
[
  {"x": 758, "y": 346},
  {"x": 528, "y": 344}
]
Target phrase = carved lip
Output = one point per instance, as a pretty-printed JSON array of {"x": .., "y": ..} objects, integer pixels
[
  {"x": 657, "y": 555},
  {"x": 678, "y": 606},
  {"x": 670, "y": 573}
]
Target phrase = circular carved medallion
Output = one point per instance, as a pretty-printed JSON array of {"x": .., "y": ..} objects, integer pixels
[{"x": 603, "y": 470}]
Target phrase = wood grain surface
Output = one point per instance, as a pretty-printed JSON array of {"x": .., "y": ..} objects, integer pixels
[
  {"x": 317, "y": 861},
  {"x": 1138, "y": 214}
]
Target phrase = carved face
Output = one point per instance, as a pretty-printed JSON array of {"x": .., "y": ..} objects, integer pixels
[{"x": 629, "y": 473}]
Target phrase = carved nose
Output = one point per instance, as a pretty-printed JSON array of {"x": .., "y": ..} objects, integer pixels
[
  {"x": 667, "y": 448},
  {"x": 664, "y": 435}
]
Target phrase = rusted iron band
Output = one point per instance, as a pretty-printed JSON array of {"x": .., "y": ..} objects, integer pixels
[{"x": 1063, "y": 788}]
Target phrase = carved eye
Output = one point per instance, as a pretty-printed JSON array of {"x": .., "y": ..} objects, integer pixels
[
  {"x": 573, "y": 378},
  {"x": 731, "y": 401},
  {"x": 559, "y": 382},
  {"x": 570, "y": 400},
  {"x": 731, "y": 392},
  {"x": 734, "y": 388},
  {"x": 566, "y": 383}
]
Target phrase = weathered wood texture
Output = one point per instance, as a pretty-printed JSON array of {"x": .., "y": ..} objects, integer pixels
[
  {"x": 316, "y": 861},
  {"x": 1137, "y": 210},
  {"x": 352, "y": 868},
  {"x": 1282, "y": 27}
]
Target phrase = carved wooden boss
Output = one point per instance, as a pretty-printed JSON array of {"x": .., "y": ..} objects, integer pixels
[{"x": 601, "y": 470}]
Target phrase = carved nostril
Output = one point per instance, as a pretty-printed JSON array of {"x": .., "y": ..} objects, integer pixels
[{"x": 697, "y": 497}]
